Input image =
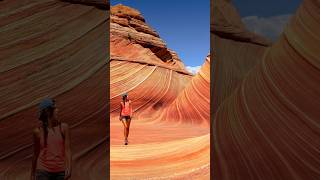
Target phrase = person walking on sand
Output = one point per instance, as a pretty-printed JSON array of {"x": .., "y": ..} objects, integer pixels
[
  {"x": 125, "y": 116},
  {"x": 51, "y": 144}
]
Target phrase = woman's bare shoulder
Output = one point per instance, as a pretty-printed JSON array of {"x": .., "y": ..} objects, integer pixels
[
  {"x": 64, "y": 126},
  {"x": 36, "y": 131}
]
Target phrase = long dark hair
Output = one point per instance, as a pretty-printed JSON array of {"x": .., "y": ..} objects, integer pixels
[
  {"x": 124, "y": 98},
  {"x": 45, "y": 114}
]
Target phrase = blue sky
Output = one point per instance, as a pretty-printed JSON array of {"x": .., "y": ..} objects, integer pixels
[
  {"x": 183, "y": 25},
  {"x": 266, "y": 8}
]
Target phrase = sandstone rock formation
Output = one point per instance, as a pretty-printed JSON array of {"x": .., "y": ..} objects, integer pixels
[
  {"x": 129, "y": 25},
  {"x": 236, "y": 49},
  {"x": 56, "y": 49},
  {"x": 169, "y": 134},
  {"x": 266, "y": 125}
]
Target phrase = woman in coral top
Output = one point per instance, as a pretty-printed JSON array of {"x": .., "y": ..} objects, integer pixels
[
  {"x": 125, "y": 116},
  {"x": 51, "y": 141}
]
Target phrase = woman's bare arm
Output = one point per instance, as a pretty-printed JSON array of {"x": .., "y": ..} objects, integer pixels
[
  {"x": 36, "y": 151},
  {"x": 68, "y": 154},
  {"x": 131, "y": 114},
  {"x": 120, "y": 111}
]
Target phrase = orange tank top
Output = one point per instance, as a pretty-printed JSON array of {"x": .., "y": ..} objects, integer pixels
[
  {"x": 126, "y": 108},
  {"x": 52, "y": 155}
]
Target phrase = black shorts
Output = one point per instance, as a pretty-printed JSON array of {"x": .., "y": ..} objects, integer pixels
[
  {"x": 126, "y": 118},
  {"x": 45, "y": 175}
]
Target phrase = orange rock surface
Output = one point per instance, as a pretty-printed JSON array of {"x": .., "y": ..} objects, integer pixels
[
  {"x": 169, "y": 134},
  {"x": 266, "y": 126},
  {"x": 56, "y": 49}
]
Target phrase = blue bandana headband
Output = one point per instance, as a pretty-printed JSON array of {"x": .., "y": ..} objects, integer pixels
[{"x": 46, "y": 103}]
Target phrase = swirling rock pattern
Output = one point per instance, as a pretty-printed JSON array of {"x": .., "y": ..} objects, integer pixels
[
  {"x": 169, "y": 133},
  {"x": 268, "y": 127},
  {"x": 57, "y": 49}
]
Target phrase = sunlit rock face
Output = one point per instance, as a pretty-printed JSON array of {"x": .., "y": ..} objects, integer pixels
[
  {"x": 129, "y": 25},
  {"x": 268, "y": 127},
  {"x": 56, "y": 49},
  {"x": 169, "y": 133},
  {"x": 192, "y": 105}
]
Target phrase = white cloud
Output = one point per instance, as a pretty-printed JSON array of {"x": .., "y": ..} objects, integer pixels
[
  {"x": 269, "y": 27},
  {"x": 193, "y": 69}
]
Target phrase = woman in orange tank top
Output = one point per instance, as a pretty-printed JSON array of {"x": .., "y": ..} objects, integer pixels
[
  {"x": 51, "y": 141},
  {"x": 125, "y": 116}
]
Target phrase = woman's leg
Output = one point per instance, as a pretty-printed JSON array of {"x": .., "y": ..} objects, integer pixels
[
  {"x": 124, "y": 128},
  {"x": 128, "y": 127}
]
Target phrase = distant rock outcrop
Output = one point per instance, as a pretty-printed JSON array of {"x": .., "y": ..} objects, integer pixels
[{"x": 128, "y": 24}]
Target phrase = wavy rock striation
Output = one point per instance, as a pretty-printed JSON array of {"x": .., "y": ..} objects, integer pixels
[
  {"x": 268, "y": 127},
  {"x": 169, "y": 134},
  {"x": 57, "y": 49}
]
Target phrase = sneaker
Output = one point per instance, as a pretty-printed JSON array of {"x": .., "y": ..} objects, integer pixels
[{"x": 126, "y": 142}]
